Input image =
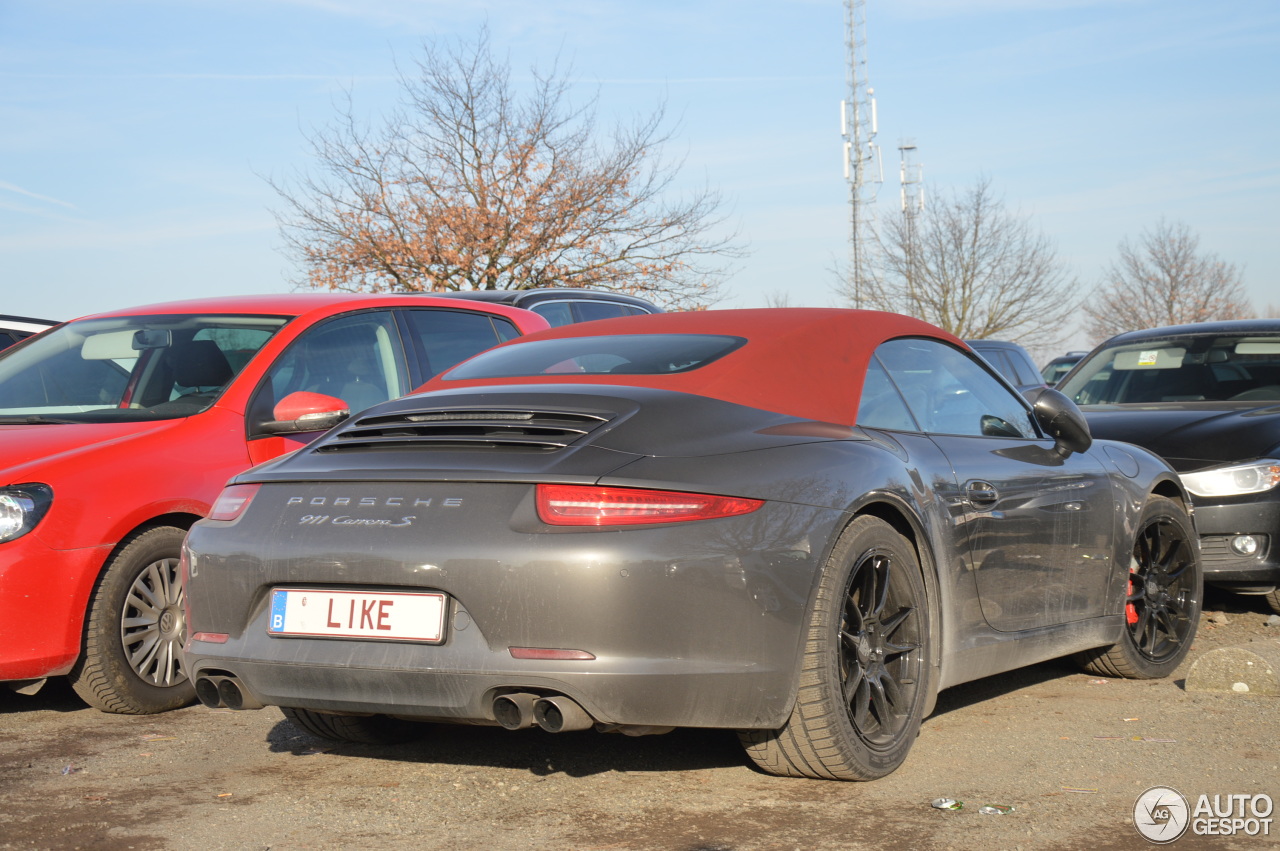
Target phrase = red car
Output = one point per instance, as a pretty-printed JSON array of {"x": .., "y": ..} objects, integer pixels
[{"x": 117, "y": 432}]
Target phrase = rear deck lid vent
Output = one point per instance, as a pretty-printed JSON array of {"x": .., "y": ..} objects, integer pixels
[{"x": 503, "y": 429}]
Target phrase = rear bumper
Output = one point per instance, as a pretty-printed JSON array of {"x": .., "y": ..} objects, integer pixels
[
  {"x": 690, "y": 625},
  {"x": 410, "y": 683}
]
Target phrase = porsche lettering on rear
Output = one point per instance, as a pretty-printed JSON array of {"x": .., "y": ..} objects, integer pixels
[{"x": 374, "y": 502}]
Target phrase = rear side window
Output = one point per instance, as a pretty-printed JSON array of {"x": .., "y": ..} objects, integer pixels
[
  {"x": 631, "y": 354},
  {"x": 1023, "y": 368},
  {"x": 557, "y": 313},
  {"x": 589, "y": 310},
  {"x": 447, "y": 337},
  {"x": 996, "y": 357},
  {"x": 570, "y": 311}
]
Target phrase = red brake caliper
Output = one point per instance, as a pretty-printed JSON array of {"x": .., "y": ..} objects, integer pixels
[{"x": 1131, "y": 610}]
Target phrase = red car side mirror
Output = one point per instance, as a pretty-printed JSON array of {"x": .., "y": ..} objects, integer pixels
[{"x": 305, "y": 411}]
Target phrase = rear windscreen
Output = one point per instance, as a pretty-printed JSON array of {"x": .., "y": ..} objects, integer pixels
[{"x": 631, "y": 354}]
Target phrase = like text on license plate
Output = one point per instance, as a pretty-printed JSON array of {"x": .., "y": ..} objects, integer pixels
[{"x": 386, "y": 615}]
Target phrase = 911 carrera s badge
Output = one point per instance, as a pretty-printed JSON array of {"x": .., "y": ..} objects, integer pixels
[{"x": 345, "y": 520}]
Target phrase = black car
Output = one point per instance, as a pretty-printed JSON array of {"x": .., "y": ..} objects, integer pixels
[
  {"x": 798, "y": 524},
  {"x": 15, "y": 328},
  {"x": 1010, "y": 360},
  {"x": 1057, "y": 369},
  {"x": 563, "y": 306},
  {"x": 1206, "y": 397}
]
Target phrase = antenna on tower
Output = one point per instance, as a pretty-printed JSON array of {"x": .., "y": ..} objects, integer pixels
[
  {"x": 911, "y": 177},
  {"x": 863, "y": 168}
]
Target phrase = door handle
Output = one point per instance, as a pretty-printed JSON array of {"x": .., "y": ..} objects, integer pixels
[{"x": 981, "y": 494}]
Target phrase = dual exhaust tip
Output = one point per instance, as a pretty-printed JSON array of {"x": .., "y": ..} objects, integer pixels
[
  {"x": 555, "y": 714},
  {"x": 217, "y": 692}
]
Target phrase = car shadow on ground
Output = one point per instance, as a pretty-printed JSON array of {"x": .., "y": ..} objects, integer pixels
[
  {"x": 55, "y": 696},
  {"x": 1220, "y": 600},
  {"x": 585, "y": 753},
  {"x": 576, "y": 754},
  {"x": 988, "y": 688}
]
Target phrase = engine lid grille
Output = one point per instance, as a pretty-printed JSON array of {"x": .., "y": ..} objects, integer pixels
[{"x": 470, "y": 428}]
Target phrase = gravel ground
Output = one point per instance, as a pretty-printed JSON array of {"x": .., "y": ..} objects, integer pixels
[{"x": 1069, "y": 752}]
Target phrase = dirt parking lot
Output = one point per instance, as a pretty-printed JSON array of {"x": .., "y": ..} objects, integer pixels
[{"x": 1069, "y": 752}]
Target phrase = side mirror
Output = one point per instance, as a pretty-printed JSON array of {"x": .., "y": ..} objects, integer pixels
[
  {"x": 304, "y": 411},
  {"x": 1061, "y": 420}
]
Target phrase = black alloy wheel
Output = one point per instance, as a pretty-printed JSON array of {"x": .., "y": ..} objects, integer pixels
[
  {"x": 1163, "y": 593},
  {"x": 1161, "y": 600},
  {"x": 879, "y": 663}
]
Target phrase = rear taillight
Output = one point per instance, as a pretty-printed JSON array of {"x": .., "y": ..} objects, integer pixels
[
  {"x": 232, "y": 502},
  {"x": 588, "y": 505}
]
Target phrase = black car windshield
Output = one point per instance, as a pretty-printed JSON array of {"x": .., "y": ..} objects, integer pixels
[
  {"x": 1189, "y": 368},
  {"x": 128, "y": 368},
  {"x": 629, "y": 354}
]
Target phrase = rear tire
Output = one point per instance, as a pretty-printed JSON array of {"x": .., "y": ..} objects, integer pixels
[
  {"x": 864, "y": 681},
  {"x": 134, "y": 630},
  {"x": 356, "y": 729},
  {"x": 1162, "y": 604}
]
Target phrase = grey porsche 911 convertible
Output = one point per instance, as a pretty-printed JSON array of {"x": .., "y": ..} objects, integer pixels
[{"x": 799, "y": 524}]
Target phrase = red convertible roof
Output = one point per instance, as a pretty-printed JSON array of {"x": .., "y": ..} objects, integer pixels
[{"x": 807, "y": 362}]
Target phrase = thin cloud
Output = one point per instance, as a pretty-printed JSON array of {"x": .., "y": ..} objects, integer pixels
[
  {"x": 953, "y": 8},
  {"x": 649, "y": 81},
  {"x": 9, "y": 187},
  {"x": 150, "y": 233},
  {"x": 175, "y": 75}
]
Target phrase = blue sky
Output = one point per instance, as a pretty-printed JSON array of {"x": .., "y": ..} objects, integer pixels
[{"x": 135, "y": 136}]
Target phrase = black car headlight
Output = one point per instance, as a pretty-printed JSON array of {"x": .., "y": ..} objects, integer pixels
[
  {"x": 21, "y": 508},
  {"x": 1235, "y": 479}
]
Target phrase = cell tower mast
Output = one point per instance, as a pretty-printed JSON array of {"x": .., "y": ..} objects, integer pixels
[
  {"x": 911, "y": 180},
  {"x": 862, "y": 165}
]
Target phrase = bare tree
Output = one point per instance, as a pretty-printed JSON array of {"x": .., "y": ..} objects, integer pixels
[
  {"x": 1165, "y": 280},
  {"x": 968, "y": 265},
  {"x": 472, "y": 185}
]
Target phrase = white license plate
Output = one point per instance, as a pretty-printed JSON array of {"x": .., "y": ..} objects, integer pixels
[{"x": 386, "y": 615}]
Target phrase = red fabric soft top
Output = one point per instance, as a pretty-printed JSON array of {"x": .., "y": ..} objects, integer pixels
[{"x": 805, "y": 362}]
